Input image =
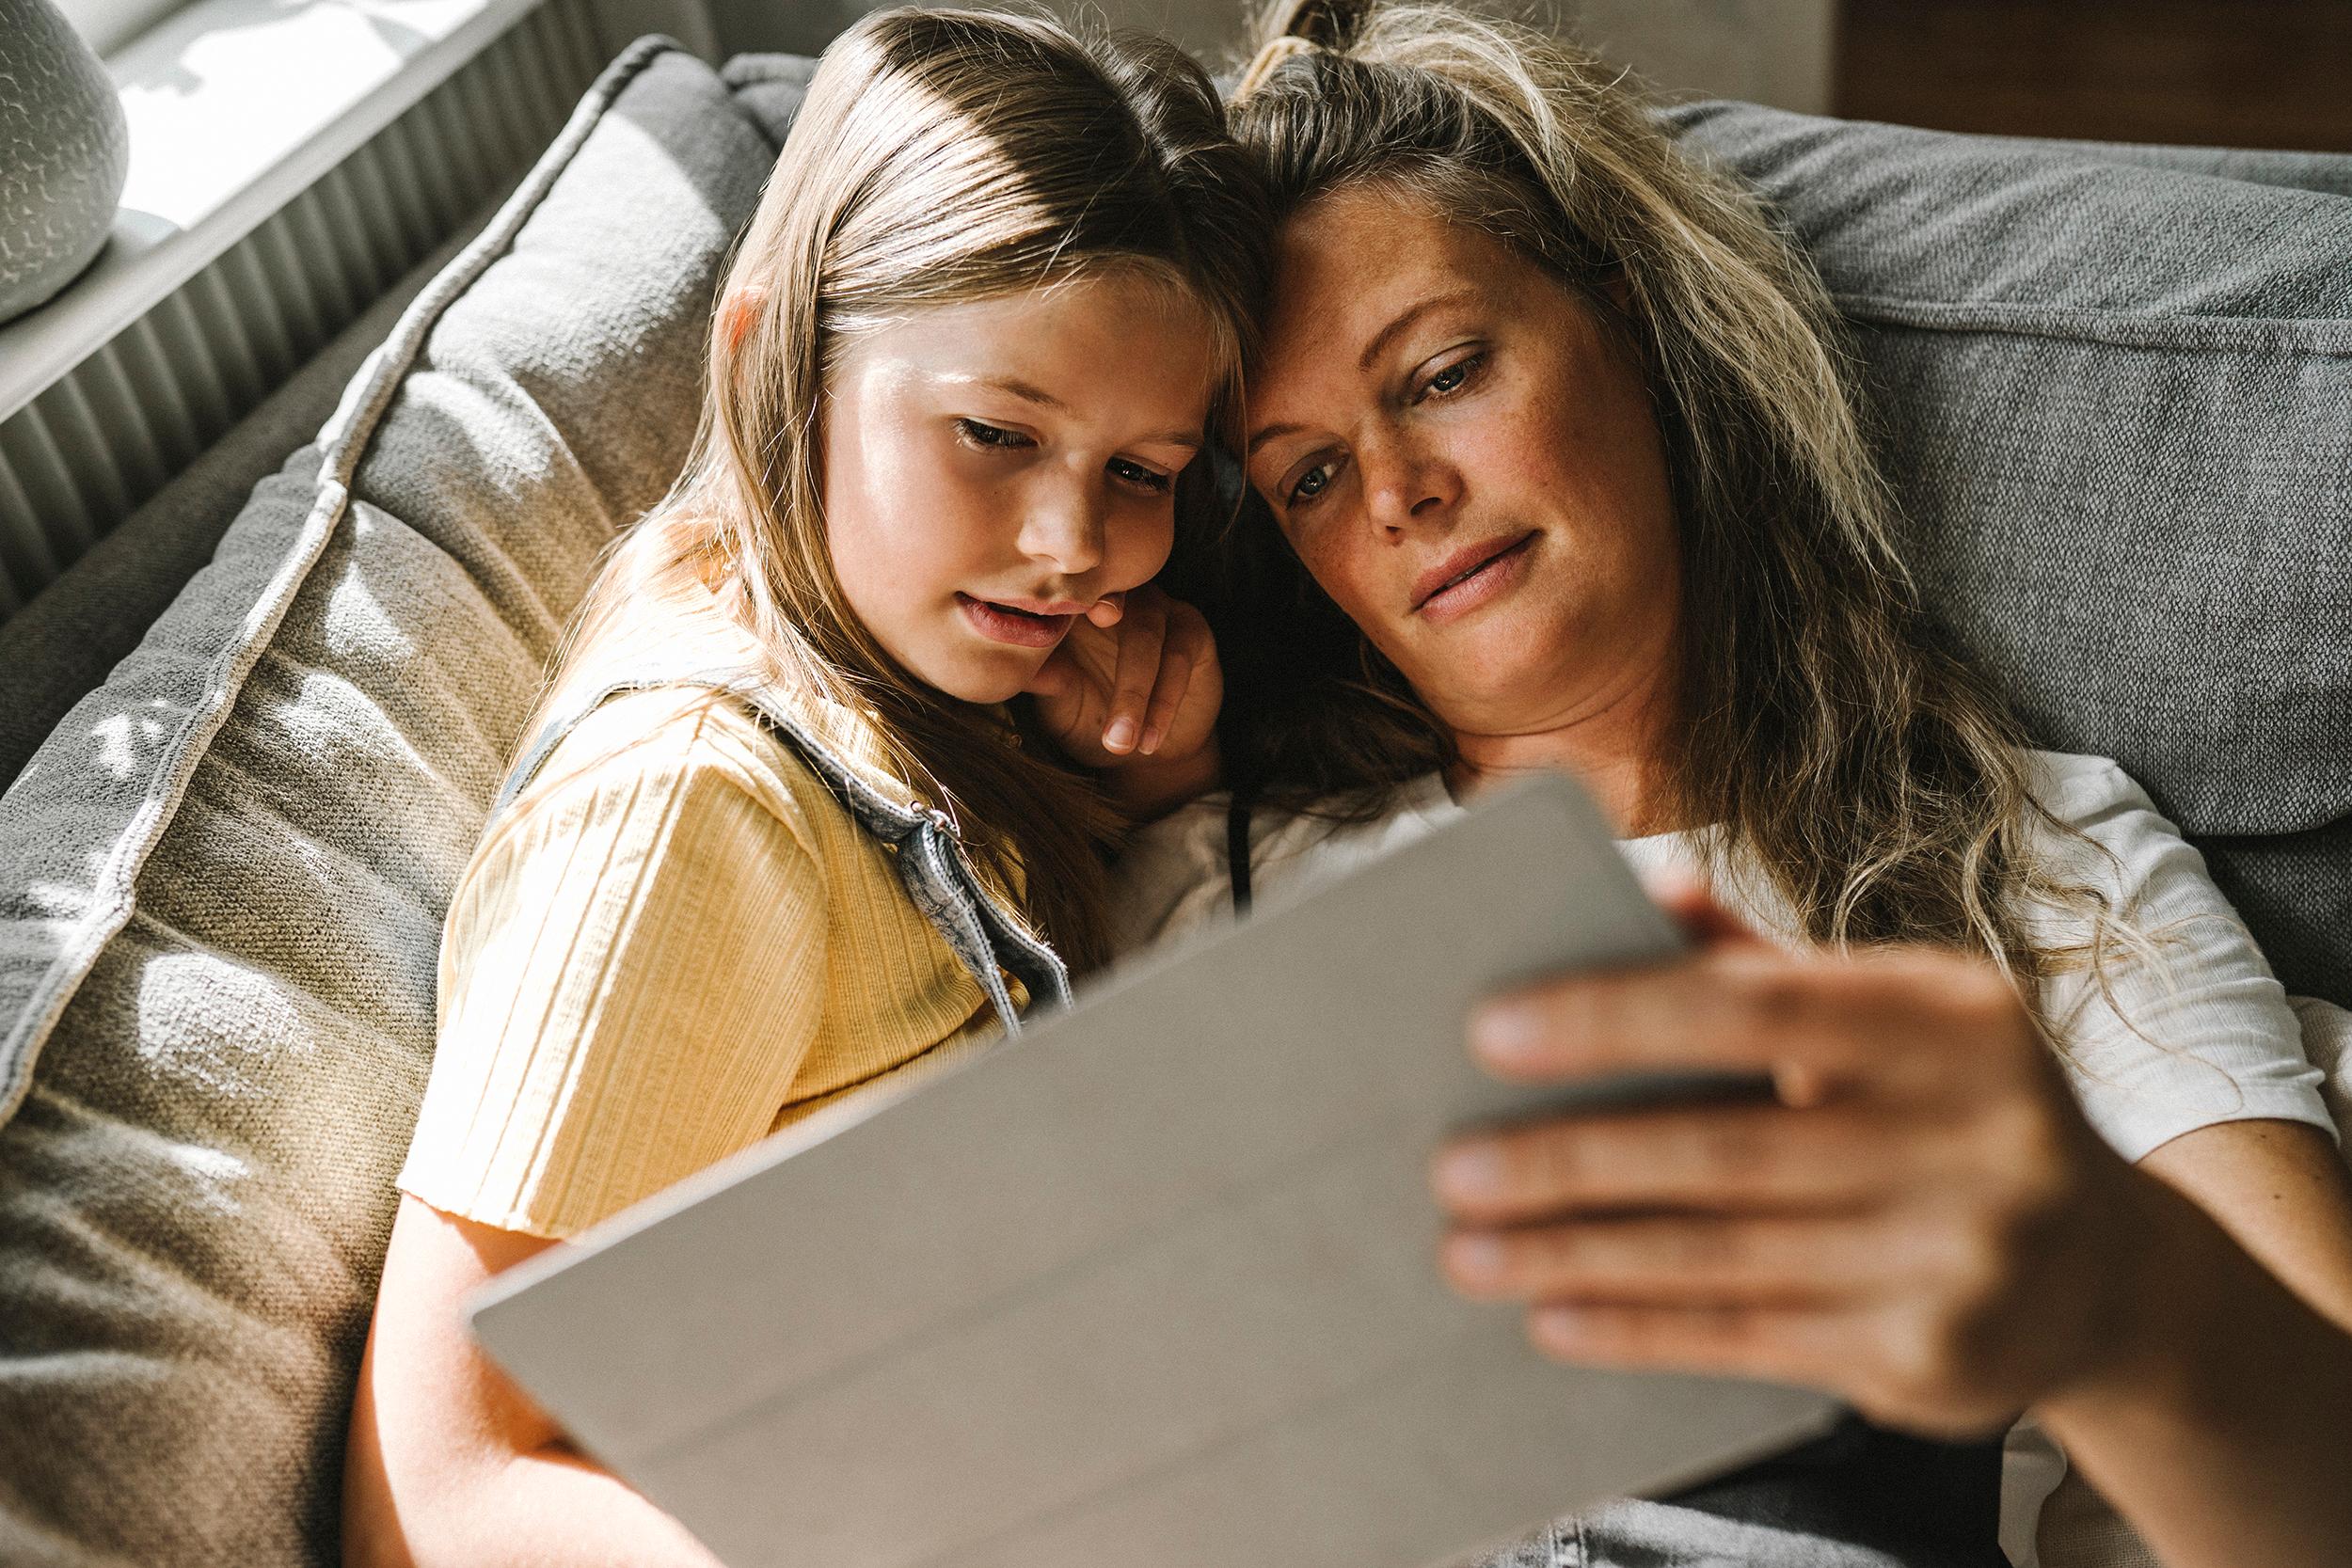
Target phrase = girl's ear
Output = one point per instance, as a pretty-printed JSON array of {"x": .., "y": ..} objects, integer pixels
[{"x": 738, "y": 310}]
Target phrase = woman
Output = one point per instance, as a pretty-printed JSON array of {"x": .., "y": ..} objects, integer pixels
[{"x": 1553, "y": 421}]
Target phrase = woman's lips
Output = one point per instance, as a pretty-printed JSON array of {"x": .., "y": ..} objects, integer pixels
[
  {"x": 1476, "y": 577},
  {"x": 1007, "y": 624}
]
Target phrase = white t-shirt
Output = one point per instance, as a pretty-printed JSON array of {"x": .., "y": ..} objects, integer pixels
[{"x": 2218, "y": 1043}]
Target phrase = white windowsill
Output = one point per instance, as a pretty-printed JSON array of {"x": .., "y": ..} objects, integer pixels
[{"x": 235, "y": 106}]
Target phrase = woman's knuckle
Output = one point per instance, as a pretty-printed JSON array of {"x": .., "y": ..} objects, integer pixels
[
  {"x": 1550, "y": 1163},
  {"x": 1977, "y": 1262},
  {"x": 1733, "y": 1151},
  {"x": 1912, "y": 1365},
  {"x": 1713, "y": 1249},
  {"x": 1776, "y": 997}
]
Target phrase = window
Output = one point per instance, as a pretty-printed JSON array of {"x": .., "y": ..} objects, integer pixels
[{"x": 106, "y": 25}]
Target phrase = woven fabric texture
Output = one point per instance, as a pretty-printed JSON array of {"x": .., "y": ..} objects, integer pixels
[{"x": 2114, "y": 401}]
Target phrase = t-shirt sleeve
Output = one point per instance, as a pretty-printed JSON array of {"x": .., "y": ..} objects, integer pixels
[
  {"x": 632, "y": 971},
  {"x": 1172, "y": 877},
  {"x": 2207, "y": 1037}
]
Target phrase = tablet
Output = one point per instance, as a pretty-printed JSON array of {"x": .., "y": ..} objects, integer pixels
[{"x": 1153, "y": 1283}]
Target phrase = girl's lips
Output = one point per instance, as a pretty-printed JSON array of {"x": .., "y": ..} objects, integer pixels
[
  {"x": 1003, "y": 624},
  {"x": 1497, "y": 575}
]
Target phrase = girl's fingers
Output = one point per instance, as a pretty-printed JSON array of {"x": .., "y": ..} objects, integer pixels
[
  {"x": 1107, "y": 610},
  {"x": 1725, "y": 1157},
  {"x": 1143, "y": 626},
  {"x": 1188, "y": 644},
  {"x": 1682, "y": 1259},
  {"x": 1167, "y": 697}
]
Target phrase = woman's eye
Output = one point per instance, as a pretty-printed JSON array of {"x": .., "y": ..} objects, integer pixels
[
  {"x": 1314, "y": 483},
  {"x": 1142, "y": 478},
  {"x": 984, "y": 435},
  {"x": 1454, "y": 377}
]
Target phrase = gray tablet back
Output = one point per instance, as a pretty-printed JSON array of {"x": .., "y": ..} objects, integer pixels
[{"x": 1154, "y": 1284}]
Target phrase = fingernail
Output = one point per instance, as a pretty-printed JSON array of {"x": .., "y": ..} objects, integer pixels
[
  {"x": 1151, "y": 741},
  {"x": 1475, "y": 1256},
  {"x": 1470, "y": 1171},
  {"x": 1120, "y": 735},
  {"x": 1556, "y": 1327},
  {"x": 1505, "y": 1032}
]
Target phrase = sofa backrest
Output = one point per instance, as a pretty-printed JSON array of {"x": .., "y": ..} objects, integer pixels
[
  {"x": 222, "y": 878},
  {"x": 2115, "y": 400}
]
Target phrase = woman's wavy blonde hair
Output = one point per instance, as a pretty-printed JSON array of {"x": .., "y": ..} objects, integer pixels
[
  {"x": 941, "y": 156},
  {"x": 1844, "y": 753}
]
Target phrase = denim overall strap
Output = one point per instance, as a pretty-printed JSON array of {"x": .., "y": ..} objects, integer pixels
[{"x": 926, "y": 848}]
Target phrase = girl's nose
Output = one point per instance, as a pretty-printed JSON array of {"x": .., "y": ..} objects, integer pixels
[{"x": 1062, "y": 527}]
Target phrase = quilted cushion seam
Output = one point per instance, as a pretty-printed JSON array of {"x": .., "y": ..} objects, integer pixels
[
  {"x": 115, "y": 897},
  {"x": 2322, "y": 337}
]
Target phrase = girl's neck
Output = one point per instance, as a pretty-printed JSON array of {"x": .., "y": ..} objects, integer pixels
[{"x": 1619, "y": 746}]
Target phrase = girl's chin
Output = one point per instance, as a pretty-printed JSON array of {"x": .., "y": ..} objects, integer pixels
[{"x": 987, "y": 682}]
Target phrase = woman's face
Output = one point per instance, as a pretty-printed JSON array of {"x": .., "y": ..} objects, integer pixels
[
  {"x": 1468, "y": 462},
  {"x": 993, "y": 470}
]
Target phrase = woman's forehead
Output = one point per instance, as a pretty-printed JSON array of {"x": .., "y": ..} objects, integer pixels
[
  {"x": 1367, "y": 235},
  {"x": 1356, "y": 270}
]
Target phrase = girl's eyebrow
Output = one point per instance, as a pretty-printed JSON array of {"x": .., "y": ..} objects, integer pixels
[
  {"x": 1026, "y": 392},
  {"x": 1021, "y": 389}
]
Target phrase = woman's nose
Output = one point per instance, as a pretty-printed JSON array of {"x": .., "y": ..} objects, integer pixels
[
  {"x": 1062, "y": 527},
  {"x": 1407, "y": 485}
]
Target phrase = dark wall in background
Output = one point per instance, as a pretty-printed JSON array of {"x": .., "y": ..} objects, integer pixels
[{"x": 2242, "y": 73}]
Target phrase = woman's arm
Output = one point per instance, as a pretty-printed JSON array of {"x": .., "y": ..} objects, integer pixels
[
  {"x": 2240, "y": 1374},
  {"x": 1928, "y": 1227},
  {"x": 451, "y": 1465}
]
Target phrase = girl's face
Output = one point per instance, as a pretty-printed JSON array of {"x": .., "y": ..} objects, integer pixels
[
  {"x": 994, "y": 469},
  {"x": 1467, "y": 460}
]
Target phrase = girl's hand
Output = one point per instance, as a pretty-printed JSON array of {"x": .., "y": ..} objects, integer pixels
[
  {"x": 1923, "y": 1223},
  {"x": 1135, "y": 688}
]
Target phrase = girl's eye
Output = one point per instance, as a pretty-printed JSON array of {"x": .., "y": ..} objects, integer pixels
[
  {"x": 1454, "y": 377},
  {"x": 984, "y": 435},
  {"x": 1142, "y": 478}
]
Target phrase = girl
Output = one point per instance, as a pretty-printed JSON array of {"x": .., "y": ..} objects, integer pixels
[{"x": 775, "y": 837}]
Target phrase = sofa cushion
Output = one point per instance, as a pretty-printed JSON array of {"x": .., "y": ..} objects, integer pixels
[
  {"x": 2114, "y": 401},
  {"x": 222, "y": 878}
]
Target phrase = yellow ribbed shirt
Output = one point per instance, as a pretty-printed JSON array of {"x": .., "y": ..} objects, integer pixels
[{"x": 674, "y": 942}]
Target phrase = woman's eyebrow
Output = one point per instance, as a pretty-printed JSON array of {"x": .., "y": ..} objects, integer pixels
[
  {"x": 1380, "y": 340},
  {"x": 1269, "y": 433},
  {"x": 1405, "y": 318}
]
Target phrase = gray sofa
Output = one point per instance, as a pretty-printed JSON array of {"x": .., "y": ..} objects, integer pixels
[{"x": 2115, "y": 399}]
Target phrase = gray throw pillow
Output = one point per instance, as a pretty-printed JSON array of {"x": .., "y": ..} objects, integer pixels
[
  {"x": 222, "y": 878},
  {"x": 2116, "y": 402}
]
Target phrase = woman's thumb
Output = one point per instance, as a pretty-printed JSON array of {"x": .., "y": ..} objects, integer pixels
[{"x": 1692, "y": 906}]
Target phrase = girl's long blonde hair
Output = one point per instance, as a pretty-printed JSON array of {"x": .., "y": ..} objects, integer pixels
[
  {"x": 940, "y": 157},
  {"x": 1844, "y": 753}
]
